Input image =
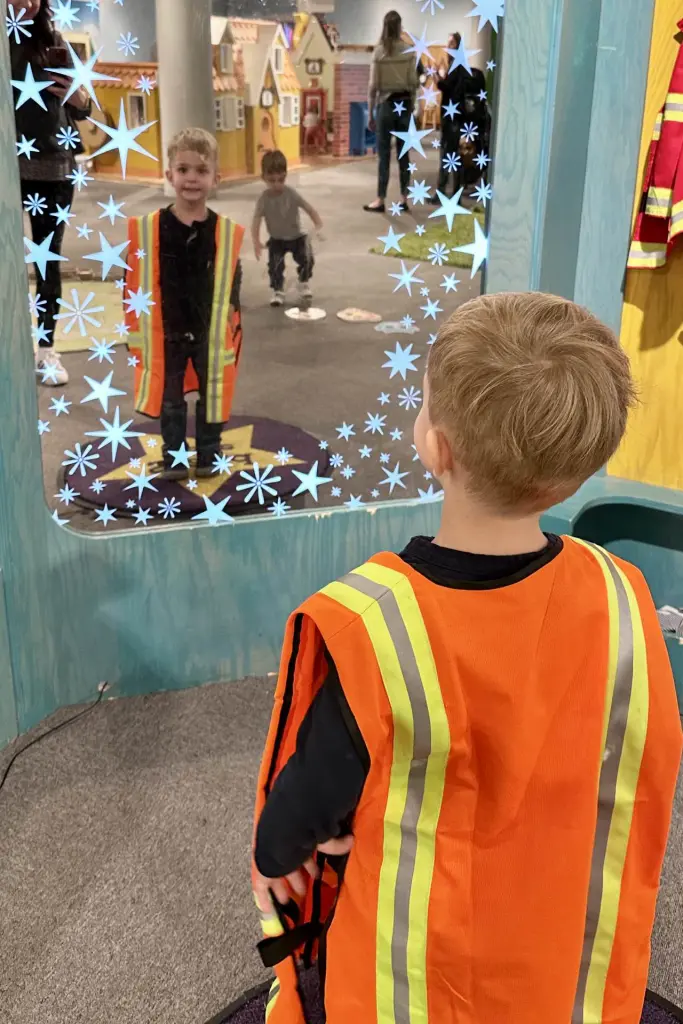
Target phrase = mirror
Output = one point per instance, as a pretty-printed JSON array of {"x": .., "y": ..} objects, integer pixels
[{"x": 180, "y": 378}]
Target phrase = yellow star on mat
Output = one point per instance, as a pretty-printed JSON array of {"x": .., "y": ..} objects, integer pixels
[{"x": 236, "y": 443}]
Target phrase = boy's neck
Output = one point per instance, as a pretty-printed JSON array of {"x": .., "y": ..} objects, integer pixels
[
  {"x": 188, "y": 214},
  {"x": 467, "y": 525}
]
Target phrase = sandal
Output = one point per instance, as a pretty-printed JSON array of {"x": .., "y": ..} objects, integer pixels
[{"x": 375, "y": 209}]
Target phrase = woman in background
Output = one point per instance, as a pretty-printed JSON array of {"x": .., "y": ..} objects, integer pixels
[
  {"x": 391, "y": 101},
  {"x": 46, "y": 166}
]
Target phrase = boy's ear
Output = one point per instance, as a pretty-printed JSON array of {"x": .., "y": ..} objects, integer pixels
[
  {"x": 169, "y": 176},
  {"x": 440, "y": 452}
]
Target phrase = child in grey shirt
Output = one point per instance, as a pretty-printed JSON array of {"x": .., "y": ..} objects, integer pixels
[{"x": 280, "y": 207}]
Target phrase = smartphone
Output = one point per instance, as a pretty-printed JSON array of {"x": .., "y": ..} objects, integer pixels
[{"x": 57, "y": 57}]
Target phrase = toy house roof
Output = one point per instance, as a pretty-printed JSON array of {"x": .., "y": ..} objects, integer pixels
[
  {"x": 255, "y": 40},
  {"x": 127, "y": 75},
  {"x": 221, "y": 31}
]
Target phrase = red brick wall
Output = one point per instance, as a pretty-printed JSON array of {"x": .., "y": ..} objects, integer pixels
[{"x": 351, "y": 84}]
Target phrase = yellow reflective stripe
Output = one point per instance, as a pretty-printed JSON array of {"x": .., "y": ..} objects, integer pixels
[
  {"x": 385, "y": 600},
  {"x": 434, "y": 782},
  {"x": 272, "y": 997},
  {"x": 218, "y": 357},
  {"x": 144, "y": 333},
  {"x": 627, "y": 709}
]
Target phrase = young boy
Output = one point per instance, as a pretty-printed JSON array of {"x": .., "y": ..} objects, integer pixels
[
  {"x": 492, "y": 713},
  {"x": 191, "y": 338},
  {"x": 280, "y": 207}
]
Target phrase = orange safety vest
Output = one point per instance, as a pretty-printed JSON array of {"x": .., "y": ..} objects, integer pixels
[
  {"x": 524, "y": 745},
  {"x": 146, "y": 333}
]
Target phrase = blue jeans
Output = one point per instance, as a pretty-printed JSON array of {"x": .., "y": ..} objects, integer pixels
[{"x": 389, "y": 121}]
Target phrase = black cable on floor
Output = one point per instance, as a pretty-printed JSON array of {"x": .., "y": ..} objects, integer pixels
[{"x": 102, "y": 689}]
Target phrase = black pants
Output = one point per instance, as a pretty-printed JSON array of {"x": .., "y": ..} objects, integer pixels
[
  {"x": 302, "y": 252},
  {"x": 178, "y": 352},
  {"x": 389, "y": 121},
  {"x": 450, "y": 145},
  {"x": 42, "y": 224}
]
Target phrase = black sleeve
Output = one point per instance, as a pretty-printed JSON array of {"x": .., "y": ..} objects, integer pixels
[
  {"x": 318, "y": 790},
  {"x": 236, "y": 286}
]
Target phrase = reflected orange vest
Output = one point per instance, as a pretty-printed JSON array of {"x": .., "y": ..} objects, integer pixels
[
  {"x": 146, "y": 333},
  {"x": 524, "y": 745}
]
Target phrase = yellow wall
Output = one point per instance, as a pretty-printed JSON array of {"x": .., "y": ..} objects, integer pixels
[
  {"x": 652, "y": 323},
  {"x": 137, "y": 166},
  {"x": 232, "y": 148},
  {"x": 289, "y": 141}
]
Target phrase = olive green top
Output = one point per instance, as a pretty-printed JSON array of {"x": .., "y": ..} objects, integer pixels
[{"x": 392, "y": 73}]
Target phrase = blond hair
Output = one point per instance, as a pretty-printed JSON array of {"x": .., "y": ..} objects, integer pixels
[
  {"x": 533, "y": 393},
  {"x": 194, "y": 140}
]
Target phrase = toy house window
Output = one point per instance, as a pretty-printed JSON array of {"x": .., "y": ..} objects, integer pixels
[
  {"x": 137, "y": 109},
  {"x": 286, "y": 112},
  {"x": 296, "y": 110},
  {"x": 229, "y": 113},
  {"x": 279, "y": 60},
  {"x": 225, "y": 58}
]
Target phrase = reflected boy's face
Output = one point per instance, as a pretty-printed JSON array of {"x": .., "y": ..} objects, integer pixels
[
  {"x": 193, "y": 176},
  {"x": 275, "y": 182}
]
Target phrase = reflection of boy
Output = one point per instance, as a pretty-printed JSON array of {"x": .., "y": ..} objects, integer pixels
[
  {"x": 191, "y": 338},
  {"x": 280, "y": 206},
  {"x": 492, "y": 712}
]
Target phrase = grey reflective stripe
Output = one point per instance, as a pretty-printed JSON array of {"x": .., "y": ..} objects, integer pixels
[
  {"x": 422, "y": 748},
  {"x": 274, "y": 990},
  {"x": 638, "y": 254},
  {"x": 673, "y": 106},
  {"x": 145, "y": 322},
  {"x": 657, "y": 201},
  {"x": 609, "y": 772},
  {"x": 677, "y": 217},
  {"x": 217, "y": 327}
]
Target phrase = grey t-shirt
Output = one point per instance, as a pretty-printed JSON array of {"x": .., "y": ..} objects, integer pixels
[{"x": 282, "y": 213}]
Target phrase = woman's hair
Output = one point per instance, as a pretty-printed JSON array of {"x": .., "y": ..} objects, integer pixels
[
  {"x": 457, "y": 39},
  {"x": 42, "y": 33},
  {"x": 391, "y": 31}
]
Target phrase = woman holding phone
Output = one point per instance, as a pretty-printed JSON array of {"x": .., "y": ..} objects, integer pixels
[{"x": 49, "y": 171}]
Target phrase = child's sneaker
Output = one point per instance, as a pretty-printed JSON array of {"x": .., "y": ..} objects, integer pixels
[
  {"x": 49, "y": 365},
  {"x": 175, "y": 473},
  {"x": 278, "y": 299},
  {"x": 203, "y": 470}
]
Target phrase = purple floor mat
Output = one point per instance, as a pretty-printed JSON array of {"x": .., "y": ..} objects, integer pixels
[{"x": 252, "y": 1009}]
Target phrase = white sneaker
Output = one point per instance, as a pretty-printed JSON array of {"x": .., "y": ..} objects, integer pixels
[
  {"x": 278, "y": 299},
  {"x": 49, "y": 366}
]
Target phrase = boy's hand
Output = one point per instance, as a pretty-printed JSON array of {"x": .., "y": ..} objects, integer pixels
[{"x": 297, "y": 881}]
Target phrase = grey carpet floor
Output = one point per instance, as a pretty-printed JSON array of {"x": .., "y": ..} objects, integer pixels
[{"x": 124, "y": 864}]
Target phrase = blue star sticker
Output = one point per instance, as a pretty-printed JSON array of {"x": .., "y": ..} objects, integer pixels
[
  {"x": 401, "y": 360},
  {"x": 115, "y": 434},
  {"x": 429, "y": 96},
  {"x": 375, "y": 423},
  {"x": 41, "y": 254},
  {"x": 105, "y": 515},
  {"x": 391, "y": 241},
  {"x": 399, "y": 108},
  {"x": 418, "y": 192},
  {"x": 64, "y": 14},
  {"x": 59, "y": 522},
  {"x": 139, "y": 302},
  {"x": 346, "y": 431},
  {"x": 214, "y": 514},
  {"x": 122, "y": 139},
  {"x": 109, "y": 256},
  {"x": 384, "y": 399},
  {"x": 461, "y": 58},
  {"x": 181, "y": 456},
  {"x": 82, "y": 75},
  {"x": 29, "y": 89},
  {"x": 451, "y": 109},
  {"x": 102, "y": 391},
  {"x": 488, "y": 12},
  {"x": 420, "y": 46},
  {"x": 412, "y": 139},
  {"x": 63, "y": 215},
  {"x": 84, "y": 231},
  {"x": 431, "y": 309},
  {"x": 406, "y": 279},
  {"x": 141, "y": 482},
  {"x": 26, "y": 147},
  {"x": 43, "y": 427},
  {"x": 310, "y": 482},
  {"x": 450, "y": 283},
  {"x": 354, "y": 503},
  {"x": 450, "y": 208},
  {"x": 111, "y": 210},
  {"x": 101, "y": 350},
  {"x": 483, "y": 192},
  {"x": 479, "y": 249},
  {"x": 394, "y": 478},
  {"x": 142, "y": 517},
  {"x": 60, "y": 405}
]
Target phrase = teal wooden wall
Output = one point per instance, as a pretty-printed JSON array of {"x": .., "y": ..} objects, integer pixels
[{"x": 175, "y": 607}]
